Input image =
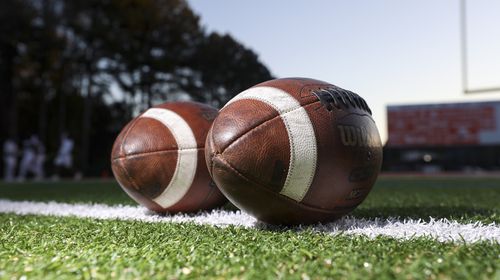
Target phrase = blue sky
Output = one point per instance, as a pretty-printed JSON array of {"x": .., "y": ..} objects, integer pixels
[{"x": 388, "y": 51}]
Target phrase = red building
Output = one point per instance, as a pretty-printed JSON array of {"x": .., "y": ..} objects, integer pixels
[{"x": 452, "y": 136}]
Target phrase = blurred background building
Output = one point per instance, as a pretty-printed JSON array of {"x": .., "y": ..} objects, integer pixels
[{"x": 443, "y": 137}]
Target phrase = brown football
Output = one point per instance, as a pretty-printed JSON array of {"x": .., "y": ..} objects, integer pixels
[
  {"x": 159, "y": 160},
  {"x": 295, "y": 151}
]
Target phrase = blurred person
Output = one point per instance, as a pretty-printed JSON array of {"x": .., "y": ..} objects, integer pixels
[
  {"x": 28, "y": 159},
  {"x": 9, "y": 159},
  {"x": 39, "y": 161},
  {"x": 64, "y": 158}
]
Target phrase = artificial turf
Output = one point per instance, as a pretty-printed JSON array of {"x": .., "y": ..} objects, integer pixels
[
  {"x": 462, "y": 199},
  {"x": 44, "y": 247}
]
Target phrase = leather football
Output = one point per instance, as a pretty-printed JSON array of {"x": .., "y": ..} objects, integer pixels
[
  {"x": 159, "y": 160},
  {"x": 295, "y": 151}
]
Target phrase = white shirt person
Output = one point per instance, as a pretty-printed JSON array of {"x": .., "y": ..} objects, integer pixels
[{"x": 10, "y": 153}]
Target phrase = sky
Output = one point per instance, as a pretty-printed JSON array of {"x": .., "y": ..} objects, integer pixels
[{"x": 388, "y": 51}]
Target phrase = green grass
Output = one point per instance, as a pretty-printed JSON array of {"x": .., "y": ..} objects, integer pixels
[
  {"x": 462, "y": 199},
  {"x": 67, "y": 248},
  {"x": 43, "y": 247},
  {"x": 108, "y": 192}
]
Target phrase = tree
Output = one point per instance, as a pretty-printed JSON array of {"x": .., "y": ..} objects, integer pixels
[
  {"x": 86, "y": 26},
  {"x": 225, "y": 68},
  {"x": 60, "y": 59},
  {"x": 15, "y": 23},
  {"x": 149, "y": 46}
]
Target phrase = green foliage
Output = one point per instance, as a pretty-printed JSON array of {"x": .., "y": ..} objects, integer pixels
[
  {"x": 224, "y": 61},
  {"x": 149, "y": 48}
]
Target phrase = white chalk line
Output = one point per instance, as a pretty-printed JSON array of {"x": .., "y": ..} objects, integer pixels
[{"x": 442, "y": 230}]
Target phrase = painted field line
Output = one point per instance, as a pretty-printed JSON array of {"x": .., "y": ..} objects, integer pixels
[{"x": 442, "y": 230}]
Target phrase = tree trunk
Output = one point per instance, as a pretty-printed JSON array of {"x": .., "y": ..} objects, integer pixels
[
  {"x": 150, "y": 101},
  {"x": 62, "y": 104},
  {"x": 42, "y": 114},
  {"x": 87, "y": 118},
  {"x": 8, "y": 96},
  {"x": 46, "y": 86}
]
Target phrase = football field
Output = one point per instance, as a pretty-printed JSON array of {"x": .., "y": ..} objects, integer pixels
[{"x": 408, "y": 227}]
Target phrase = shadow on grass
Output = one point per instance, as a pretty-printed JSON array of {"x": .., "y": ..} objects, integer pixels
[
  {"x": 460, "y": 214},
  {"x": 425, "y": 213},
  {"x": 107, "y": 192}
]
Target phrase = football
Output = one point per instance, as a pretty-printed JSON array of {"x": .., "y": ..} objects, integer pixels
[
  {"x": 159, "y": 159},
  {"x": 295, "y": 151}
]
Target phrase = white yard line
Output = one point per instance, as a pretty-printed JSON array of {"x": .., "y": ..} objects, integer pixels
[{"x": 443, "y": 230}]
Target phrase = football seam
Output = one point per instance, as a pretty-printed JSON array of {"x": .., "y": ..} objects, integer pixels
[
  {"x": 122, "y": 149},
  {"x": 210, "y": 142},
  {"x": 155, "y": 152},
  {"x": 300, "y": 204},
  {"x": 261, "y": 126},
  {"x": 134, "y": 184},
  {"x": 244, "y": 134}
]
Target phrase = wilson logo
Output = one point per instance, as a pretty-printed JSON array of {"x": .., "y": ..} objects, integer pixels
[{"x": 354, "y": 136}]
